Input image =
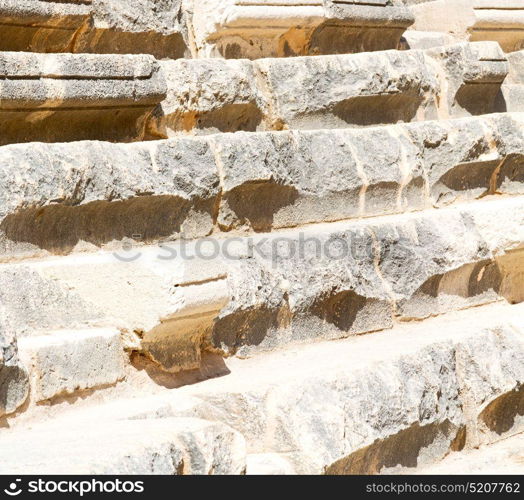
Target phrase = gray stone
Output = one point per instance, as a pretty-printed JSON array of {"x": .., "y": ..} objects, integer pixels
[
  {"x": 210, "y": 95},
  {"x": 97, "y": 96},
  {"x": 102, "y": 192},
  {"x": 14, "y": 386},
  {"x": 369, "y": 405},
  {"x": 171, "y": 446},
  {"x": 234, "y": 29},
  {"x": 336, "y": 91},
  {"x": 156, "y": 27},
  {"x": 61, "y": 363}
]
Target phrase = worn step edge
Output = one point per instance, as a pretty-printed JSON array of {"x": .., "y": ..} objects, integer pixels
[{"x": 60, "y": 197}]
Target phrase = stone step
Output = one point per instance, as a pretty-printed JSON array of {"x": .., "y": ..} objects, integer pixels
[
  {"x": 504, "y": 457},
  {"x": 395, "y": 401},
  {"x": 65, "y": 97},
  {"x": 64, "y": 362},
  {"x": 332, "y": 91},
  {"x": 254, "y": 294},
  {"x": 59, "y": 198},
  {"x": 97, "y": 94},
  {"x": 264, "y": 28},
  {"x": 513, "y": 86},
  {"x": 56, "y": 364},
  {"x": 41, "y": 26},
  {"x": 14, "y": 383},
  {"x": 497, "y": 20},
  {"x": 389, "y": 400},
  {"x": 99, "y": 26},
  {"x": 170, "y": 446},
  {"x": 252, "y": 29}
]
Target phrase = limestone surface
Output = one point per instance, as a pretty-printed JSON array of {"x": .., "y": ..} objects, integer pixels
[
  {"x": 337, "y": 91},
  {"x": 261, "y": 237},
  {"x": 64, "y": 362},
  {"x": 14, "y": 386},
  {"x": 97, "y": 96},
  {"x": 248, "y": 182},
  {"x": 498, "y": 20},
  {"x": 180, "y": 301},
  {"x": 156, "y": 27},
  {"x": 168, "y": 446},
  {"x": 262, "y": 28}
]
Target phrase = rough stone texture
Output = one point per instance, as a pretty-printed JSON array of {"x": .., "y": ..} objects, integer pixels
[
  {"x": 154, "y": 27},
  {"x": 170, "y": 446},
  {"x": 261, "y": 28},
  {"x": 363, "y": 405},
  {"x": 498, "y": 20},
  {"x": 505, "y": 458},
  {"x": 335, "y": 91},
  {"x": 64, "y": 362},
  {"x": 62, "y": 194},
  {"x": 329, "y": 279},
  {"x": 245, "y": 302},
  {"x": 41, "y": 305},
  {"x": 40, "y": 25},
  {"x": 14, "y": 386},
  {"x": 369, "y": 405},
  {"x": 58, "y": 197},
  {"x": 50, "y": 97},
  {"x": 210, "y": 95}
]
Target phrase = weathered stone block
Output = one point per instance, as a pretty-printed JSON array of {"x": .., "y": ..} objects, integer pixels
[
  {"x": 501, "y": 21},
  {"x": 99, "y": 26},
  {"x": 57, "y": 196},
  {"x": 336, "y": 91},
  {"x": 385, "y": 402},
  {"x": 51, "y": 97},
  {"x": 261, "y": 28},
  {"x": 64, "y": 362},
  {"x": 135, "y": 27},
  {"x": 210, "y": 95},
  {"x": 41, "y": 25},
  {"x": 171, "y": 446},
  {"x": 14, "y": 386}
]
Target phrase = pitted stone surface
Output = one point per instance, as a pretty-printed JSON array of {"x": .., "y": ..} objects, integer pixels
[
  {"x": 14, "y": 386},
  {"x": 309, "y": 257},
  {"x": 337, "y": 91},
  {"x": 260, "y": 28},
  {"x": 156, "y": 27},
  {"x": 497, "y": 20}
]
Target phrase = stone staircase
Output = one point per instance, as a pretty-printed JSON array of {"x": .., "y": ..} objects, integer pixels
[{"x": 261, "y": 237}]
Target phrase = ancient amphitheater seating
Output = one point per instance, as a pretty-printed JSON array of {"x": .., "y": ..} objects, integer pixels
[
  {"x": 261, "y": 237},
  {"x": 498, "y": 20}
]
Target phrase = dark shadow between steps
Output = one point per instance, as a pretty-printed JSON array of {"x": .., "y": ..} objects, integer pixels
[
  {"x": 256, "y": 204},
  {"x": 246, "y": 328},
  {"x": 500, "y": 415},
  {"x": 212, "y": 366},
  {"x": 340, "y": 309},
  {"x": 471, "y": 175},
  {"x": 512, "y": 171},
  {"x": 481, "y": 98},
  {"x": 401, "y": 449},
  {"x": 228, "y": 118},
  {"x": 379, "y": 108},
  {"x": 59, "y": 227},
  {"x": 338, "y": 38}
]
